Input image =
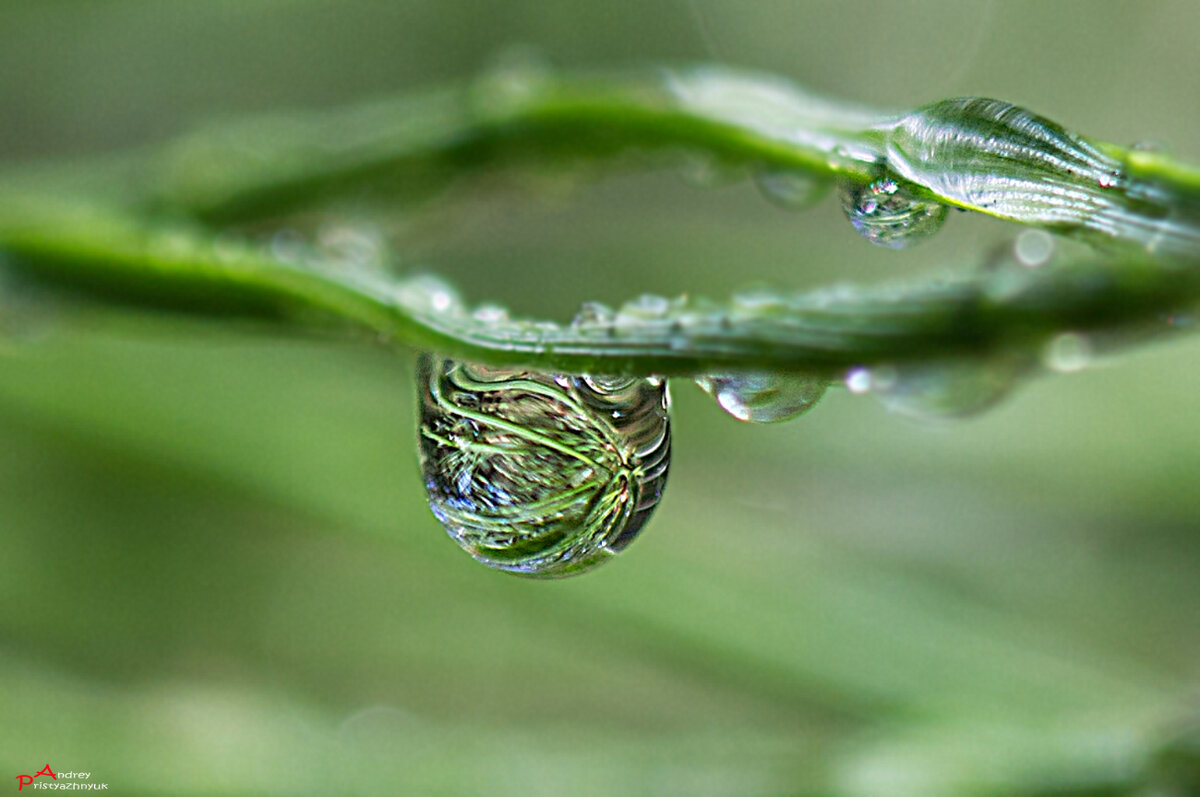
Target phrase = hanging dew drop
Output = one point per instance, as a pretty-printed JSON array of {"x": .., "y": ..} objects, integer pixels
[
  {"x": 790, "y": 190},
  {"x": 542, "y": 475},
  {"x": 763, "y": 397},
  {"x": 944, "y": 390},
  {"x": 887, "y": 215}
]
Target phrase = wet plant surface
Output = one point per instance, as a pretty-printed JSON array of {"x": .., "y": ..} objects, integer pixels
[{"x": 224, "y": 574}]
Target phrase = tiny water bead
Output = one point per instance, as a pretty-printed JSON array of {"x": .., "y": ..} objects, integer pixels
[
  {"x": 888, "y": 215},
  {"x": 763, "y": 397},
  {"x": 541, "y": 474}
]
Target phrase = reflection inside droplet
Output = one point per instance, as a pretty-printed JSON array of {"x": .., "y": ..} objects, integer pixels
[
  {"x": 887, "y": 215},
  {"x": 541, "y": 474}
]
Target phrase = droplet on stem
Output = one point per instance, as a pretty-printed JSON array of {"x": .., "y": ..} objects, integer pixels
[
  {"x": 946, "y": 389},
  {"x": 1068, "y": 353},
  {"x": 887, "y": 215},
  {"x": 539, "y": 474},
  {"x": 763, "y": 397}
]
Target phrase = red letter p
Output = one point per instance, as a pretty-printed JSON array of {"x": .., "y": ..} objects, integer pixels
[{"x": 24, "y": 780}]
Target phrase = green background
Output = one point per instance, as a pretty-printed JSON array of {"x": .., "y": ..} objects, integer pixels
[{"x": 220, "y": 574}]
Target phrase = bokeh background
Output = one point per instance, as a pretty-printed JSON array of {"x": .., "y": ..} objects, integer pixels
[{"x": 220, "y": 574}]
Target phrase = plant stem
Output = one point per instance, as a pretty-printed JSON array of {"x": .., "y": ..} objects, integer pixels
[{"x": 147, "y": 226}]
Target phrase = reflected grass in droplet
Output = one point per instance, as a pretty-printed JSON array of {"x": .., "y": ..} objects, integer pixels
[
  {"x": 539, "y": 474},
  {"x": 887, "y": 215}
]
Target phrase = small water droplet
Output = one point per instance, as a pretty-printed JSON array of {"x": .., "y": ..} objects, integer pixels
[
  {"x": 593, "y": 314},
  {"x": 763, "y": 397},
  {"x": 647, "y": 306},
  {"x": 1068, "y": 353},
  {"x": 428, "y": 294},
  {"x": 887, "y": 215},
  {"x": 539, "y": 474},
  {"x": 756, "y": 300},
  {"x": 953, "y": 389},
  {"x": 858, "y": 380},
  {"x": 491, "y": 314},
  {"x": 1033, "y": 248},
  {"x": 287, "y": 246},
  {"x": 351, "y": 245},
  {"x": 515, "y": 76},
  {"x": 790, "y": 189},
  {"x": 174, "y": 245}
]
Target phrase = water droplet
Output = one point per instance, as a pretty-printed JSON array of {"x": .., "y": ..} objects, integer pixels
[
  {"x": 491, "y": 314},
  {"x": 790, "y": 189},
  {"x": 755, "y": 301},
  {"x": 887, "y": 215},
  {"x": 351, "y": 245},
  {"x": 593, "y": 314},
  {"x": 647, "y": 306},
  {"x": 858, "y": 380},
  {"x": 539, "y": 474},
  {"x": 1033, "y": 248},
  {"x": 287, "y": 246},
  {"x": 515, "y": 76},
  {"x": 428, "y": 294},
  {"x": 953, "y": 389},
  {"x": 763, "y": 397},
  {"x": 1068, "y": 353}
]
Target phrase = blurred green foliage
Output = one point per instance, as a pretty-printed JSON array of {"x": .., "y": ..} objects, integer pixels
[{"x": 221, "y": 575}]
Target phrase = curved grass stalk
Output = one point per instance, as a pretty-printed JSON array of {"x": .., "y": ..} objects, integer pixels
[
  {"x": 110, "y": 253},
  {"x": 145, "y": 226},
  {"x": 976, "y": 154}
]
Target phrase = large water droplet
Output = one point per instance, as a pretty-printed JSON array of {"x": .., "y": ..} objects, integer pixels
[
  {"x": 789, "y": 189},
  {"x": 763, "y": 397},
  {"x": 887, "y": 215},
  {"x": 541, "y": 474}
]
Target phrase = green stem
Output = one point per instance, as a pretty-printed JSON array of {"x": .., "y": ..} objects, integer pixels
[
  {"x": 145, "y": 226},
  {"x": 980, "y": 155},
  {"x": 109, "y": 253}
]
